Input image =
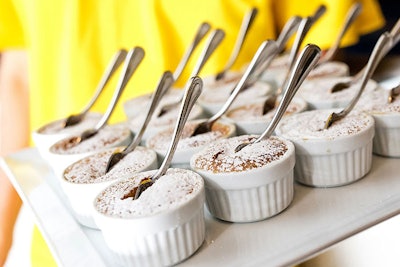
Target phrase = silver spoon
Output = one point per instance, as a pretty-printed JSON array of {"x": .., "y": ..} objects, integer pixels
[
  {"x": 304, "y": 64},
  {"x": 267, "y": 47},
  {"x": 394, "y": 92},
  {"x": 287, "y": 31},
  {"x": 192, "y": 92},
  {"x": 214, "y": 40},
  {"x": 385, "y": 42},
  {"x": 356, "y": 78},
  {"x": 115, "y": 62},
  {"x": 243, "y": 31},
  {"x": 351, "y": 16},
  {"x": 201, "y": 32},
  {"x": 302, "y": 31},
  {"x": 163, "y": 85},
  {"x": 132, "y": 61}
]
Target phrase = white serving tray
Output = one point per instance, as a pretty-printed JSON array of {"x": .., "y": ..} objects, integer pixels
[{"x": 316, "y": 219}]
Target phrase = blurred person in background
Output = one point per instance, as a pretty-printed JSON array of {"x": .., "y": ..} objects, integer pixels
[{"x": 53, "y": 54}]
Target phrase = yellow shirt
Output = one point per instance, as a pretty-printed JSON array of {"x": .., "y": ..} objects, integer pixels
[{"x": 70, "y": 42}]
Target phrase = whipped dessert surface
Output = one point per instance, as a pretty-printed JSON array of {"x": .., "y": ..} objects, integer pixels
[
  {"x": 221, "y": 155},
  {"x": 57, "y": 127},
  {"x": 320, "y": 89},
  {"x": 92, "y": 168},
  {"x": 107, "y": 136},
  {"x": 310, "y": 125},
  {"x": 161, "y": 140},
  {"x": 176, "y": 187},
  {"x": 376, "y": 102},
  {"x": 253, "y": 111}
]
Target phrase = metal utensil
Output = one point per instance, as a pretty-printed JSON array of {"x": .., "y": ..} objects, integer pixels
[
  {"x": 115, "y": 62},
  {"x": 302, "y": 31},
  {"x": 287, "y": 31},
  {"x": 132, "y": 61},
  {"x": 394, "y": 92},
  {"x": 267, "y": 47},
  {"x": 304, "y": 27},
  {"x": 201, "y": 32},
  {"x": 243, "y": 31},
  {"x": 192, "y": 92},
  {"x": 304, "y": 64},
  {"x": 384, "y": 41},
  {"x": 163, "y": 85},
  {"x": 351, "y": 16},
  {"x": 214, "y": 40},
  {"x": 356, "y": 78}
]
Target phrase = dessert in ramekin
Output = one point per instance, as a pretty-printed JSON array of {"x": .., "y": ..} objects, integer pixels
[
  {"x": 47, "y": 135},
  {"x": 250, "y": 185},
  {"x": 331, "y": 157},
  {"x": 84, "y": 179},
  {"x": 134, "y": 107},
  {"x": 163, "y": 227},
  {"x": 250, "y": 120},
  {"x": 318, "y": 94},
  {"x": 216, "y": 93},
  {"x": 387, "y": 120},
  {"x": 188, "y": 145},
  {"x": 163, "y": 122},
  {"x": 277, "y": 71},
  {"x": 63, "y": 153}
]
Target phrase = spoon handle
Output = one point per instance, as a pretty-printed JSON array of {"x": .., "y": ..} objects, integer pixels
[
  {"x": 288, "y": 30},
  {"x": 132, "y": 61},
  {"x": 352, "y": 14},
  {"x": 164, "y": 84},
  {"x": 201, "y": 32},
  {"x": 243, "y": 31},
  {"x": 382, "y": 47},
  {"x": 304, "y": 64},
  {"x": 215, "y": 39},
  {"x": 192, "y": 92},
  {"x": 266, "y": 48},
  {"x": 114, "y": 64},
  {"x": 302, "y": 31}
]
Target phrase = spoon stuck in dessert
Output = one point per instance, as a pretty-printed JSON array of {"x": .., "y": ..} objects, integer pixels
[
  {"x": 213, "y": 42},
  {"x": 305, "y": 63},
  {"x": 243, "y": 31},
  {"x": 192, "y": 92},
  {"x": 385, "y": 42},
  {"x": 115, "y": 62},
  {"x": 132, "y": 61},
  {"x": 163, "y": 86},
  {"x": 266, "y": 48},
  {"x": 394, "y": 92}
]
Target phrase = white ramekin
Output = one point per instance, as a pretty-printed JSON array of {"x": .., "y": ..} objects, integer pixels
[
  {"x": 81, "y": 193},
  {"x": 249, "y": 118},
  {"x": 162, "y": 238},
  {"x": 187, "y": 146},
  {"x": 247, "y": 195},
  {"x": 44, "y": 138},
  {"x": 387, "y": 121},
  {"x": 60, "y": 161},
  {"x": 326, "y": 158}
]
